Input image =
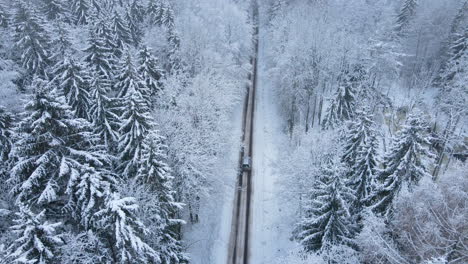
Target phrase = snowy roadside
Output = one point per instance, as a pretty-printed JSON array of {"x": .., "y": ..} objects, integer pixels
[
  {"x": 271, "y": 225},
  {"x": 208, "y": 240}
]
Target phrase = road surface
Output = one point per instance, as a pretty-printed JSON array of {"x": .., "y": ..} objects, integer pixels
[{"x": 239, "y": 240}]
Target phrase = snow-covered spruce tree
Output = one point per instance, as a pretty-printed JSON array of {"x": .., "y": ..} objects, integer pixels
[
  {"x": 99, "y": 57},
  {"x": 61, "y": 44},
  {"x": 80, "y": 10},
  {"x": 360, "y": 156},
  {"x": 103, "y": 112},
  {"x": 135, "y": 124},
  {"x": 453, "y": 94},
  {"x": 31, "y": 39},
  {"x": 405, "y": 15},
  {"x": 328, "y": 221},
  {"x": 342, "y": 106},
  {"x": 123, "y": 231},
  {"x": 120, "y": 31},
  {"x": 6, "y": 140},
  {"x": 72, "y": 81},
  {"x": 160, "y": 13},
  {"x": 129, "y": 80},
  {"x": 135, "y": 29},
  {"x": 137, "y": 12},
  {"x": 150, "y": 71},
  {"x": 447, "y": 51},
  {"x": 52, "y": 147},
  {"x": 156, "y": 174},
  {"x": 37, "y": 240},
  {"x": 103, "y": 30},
  {"x": 6, "y": 125},
  {"x": 53, "y": 9},
  {"x": 174, "y": 61},
  {"x": 88, "y": 192},
  {"x": 406, "y": 163}
]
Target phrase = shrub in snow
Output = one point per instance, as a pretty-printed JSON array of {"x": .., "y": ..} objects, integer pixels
[
  {"x": 84, "y": 248},
  {"x": 432, "y": 218}
]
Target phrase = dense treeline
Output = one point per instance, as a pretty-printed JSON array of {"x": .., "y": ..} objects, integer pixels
[
  {"x": 373, "y": 96},
  {"x": 93, "y": 169}
]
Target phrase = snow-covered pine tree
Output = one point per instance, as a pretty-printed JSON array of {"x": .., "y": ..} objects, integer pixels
[
  {"x": 6, "y": 143},
  {"x": 54, "y": 9},
  {"x": 135, "y": 29},
  {"x": 135, "y": 124},
  {"x": 129, "y": 80},
  {"x": 453, "y": 94},
  {"x": 88, "y": 192},
  {"x": 80, "y": 10},
  {"x": 103, "y": 112},
  {"x": 99, "y": 57},
  {"x": 174, "y": 44},
  {"x": 342, "y": 106},
  {"x": 153, "y": 10},
  {"x": 160, "y": 13},
  {"x": 52, "y": 147},
  {"x": 31, "y": 39},
  {"x": 406, "y": 163},
  {"x": 6, "y": 125},
  {"x": 72, "y": 81},
  {"x": 150, "y": 71},
  {"x": 328, "y": 221},
  {"x": 37, "y": 240},
  {"x": 156, "y": 174},
  {"x": 61, "y": 44},
  {"x": 449, "y": 50},
  {"x": 137, "y": 12},
  {"x": 405, "y": 15},
  {"x": 124, "y": 231},
  {"x": 120, "y": 30},
  {"x": 103, "y": 30},
  {"x": 360, "y": 156}
]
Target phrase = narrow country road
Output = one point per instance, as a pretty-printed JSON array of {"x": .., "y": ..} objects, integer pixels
[
  {"x": 240, "y": 229},
  {"x": 258, "y": 234}
]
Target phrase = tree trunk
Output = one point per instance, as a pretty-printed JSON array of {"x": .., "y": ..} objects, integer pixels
[
  {"x": 319, "y": 117},
  {"x": 313, "y": 111},
  {"x": 307, "y": 115}
]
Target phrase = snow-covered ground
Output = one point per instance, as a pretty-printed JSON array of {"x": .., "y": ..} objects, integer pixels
[
  {"x": 270, "y": 222},
  {"x": 208, "y": 241}
]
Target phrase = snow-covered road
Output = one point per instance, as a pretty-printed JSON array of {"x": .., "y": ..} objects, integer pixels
[{"x": 270, "y": 231}]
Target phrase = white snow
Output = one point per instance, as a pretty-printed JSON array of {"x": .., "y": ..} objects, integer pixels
[
  {"x": 271, "y": 225},
  {"x": 208, "y": 240}
]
